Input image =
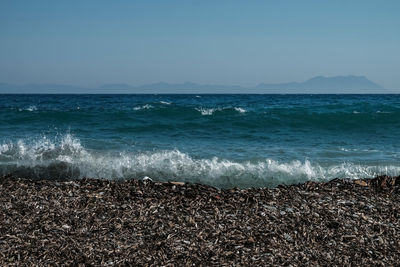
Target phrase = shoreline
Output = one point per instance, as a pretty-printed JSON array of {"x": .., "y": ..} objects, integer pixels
[{"x": 105, "y": 222}]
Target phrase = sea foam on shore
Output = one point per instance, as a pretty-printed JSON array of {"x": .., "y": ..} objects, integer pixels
[
  {"x": 219, "y": 140},
  {"x": 67, "y": 158}
]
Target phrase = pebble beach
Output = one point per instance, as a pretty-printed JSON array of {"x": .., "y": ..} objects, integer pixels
[{"x": 106, "y": 223}]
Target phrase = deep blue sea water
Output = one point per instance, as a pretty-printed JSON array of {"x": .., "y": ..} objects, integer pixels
[{"x": 221, "y": 140}]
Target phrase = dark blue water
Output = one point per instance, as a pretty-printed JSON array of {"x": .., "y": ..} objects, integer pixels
[{"x": 222, "y": 140}]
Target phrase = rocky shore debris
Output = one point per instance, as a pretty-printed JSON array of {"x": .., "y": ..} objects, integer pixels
[{"x": 103, "y": 222}]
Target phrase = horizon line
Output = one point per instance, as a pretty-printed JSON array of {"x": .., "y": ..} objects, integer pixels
[{"x": 187, "y": 82}]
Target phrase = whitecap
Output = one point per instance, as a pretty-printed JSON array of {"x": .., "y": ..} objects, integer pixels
[
  {"x": 241, "y": 110},
  {"x": 147, "y": 106},
  {"x": 347, "y": 149},
  {"x": 30, "y": 108},
  {"x": 207, "y": 111},
  {"x": 4, "y": 148},
  {"x": 68, "y": 158}
]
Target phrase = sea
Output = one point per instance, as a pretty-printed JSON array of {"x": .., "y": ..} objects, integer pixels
[{"x": 220, "y": 140}]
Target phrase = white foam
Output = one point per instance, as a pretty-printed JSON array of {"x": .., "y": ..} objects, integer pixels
[
  {"x": 147, "y": 106},
  {"x": 77, "y": 162},
  {"x": 4, "y": 148},
  {"x": 359, "y": 150},
  {"x": 30, "y": 108},
  {"x": 165, "y": 102},
  {"x": 210, "y": 111},
  {"x": 241, "y": 110},
  {"x": 207, "y": 111}
]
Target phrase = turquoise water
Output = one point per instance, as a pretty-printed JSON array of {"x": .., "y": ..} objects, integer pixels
[{"x": 222, "y": 140}]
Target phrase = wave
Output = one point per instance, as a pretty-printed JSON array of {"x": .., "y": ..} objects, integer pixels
[
  {"x": 359, "y": 150},
  {"x": 147, "y": 106},
  {"x": 68, "y": 159},
  {"x": 30, "y": 108},
  {"x": 210, "y": 111},
  {"x": 207, "y": 111},
  {"x": 189, "y": 120},
  {"x": 241, "y": 110},
  {"x": 257, "y": 115}
]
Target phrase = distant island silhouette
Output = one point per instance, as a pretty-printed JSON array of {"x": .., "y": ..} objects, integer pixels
[{"x": 318, "y": 85}]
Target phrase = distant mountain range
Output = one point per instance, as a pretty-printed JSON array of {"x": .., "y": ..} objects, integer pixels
[{"x": 318, "y": 85}]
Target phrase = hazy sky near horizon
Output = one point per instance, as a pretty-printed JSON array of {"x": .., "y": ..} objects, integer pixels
[{"x": 89, "y": 43}]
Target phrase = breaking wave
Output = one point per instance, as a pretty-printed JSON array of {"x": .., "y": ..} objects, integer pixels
[
  {"x": 68, "y": 159},
  {"x": 241, "y": 110},
  {"x": 210, "y": 111},
  {"x": 147, "y": 106},
  {"x": 30, "y": 108}
]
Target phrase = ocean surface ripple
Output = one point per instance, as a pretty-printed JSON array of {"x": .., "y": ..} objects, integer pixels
[{"x": 221, "y": 140}]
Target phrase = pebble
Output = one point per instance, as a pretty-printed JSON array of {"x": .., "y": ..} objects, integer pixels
[{"x": 135, "y": 222}]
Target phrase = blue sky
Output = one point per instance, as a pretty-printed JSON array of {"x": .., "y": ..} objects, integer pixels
[{"x": 89, "y": 43}]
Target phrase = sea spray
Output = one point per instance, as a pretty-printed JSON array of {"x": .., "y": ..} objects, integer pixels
[
  {"x": 222, "y": 140},
  {"x": 68, "y": 159}
]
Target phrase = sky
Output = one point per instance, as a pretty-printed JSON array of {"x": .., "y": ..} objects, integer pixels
[{"x": 90, "y": 43}]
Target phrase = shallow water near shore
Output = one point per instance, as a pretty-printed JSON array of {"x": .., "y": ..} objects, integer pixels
[{"x": 220, "y": 140}]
